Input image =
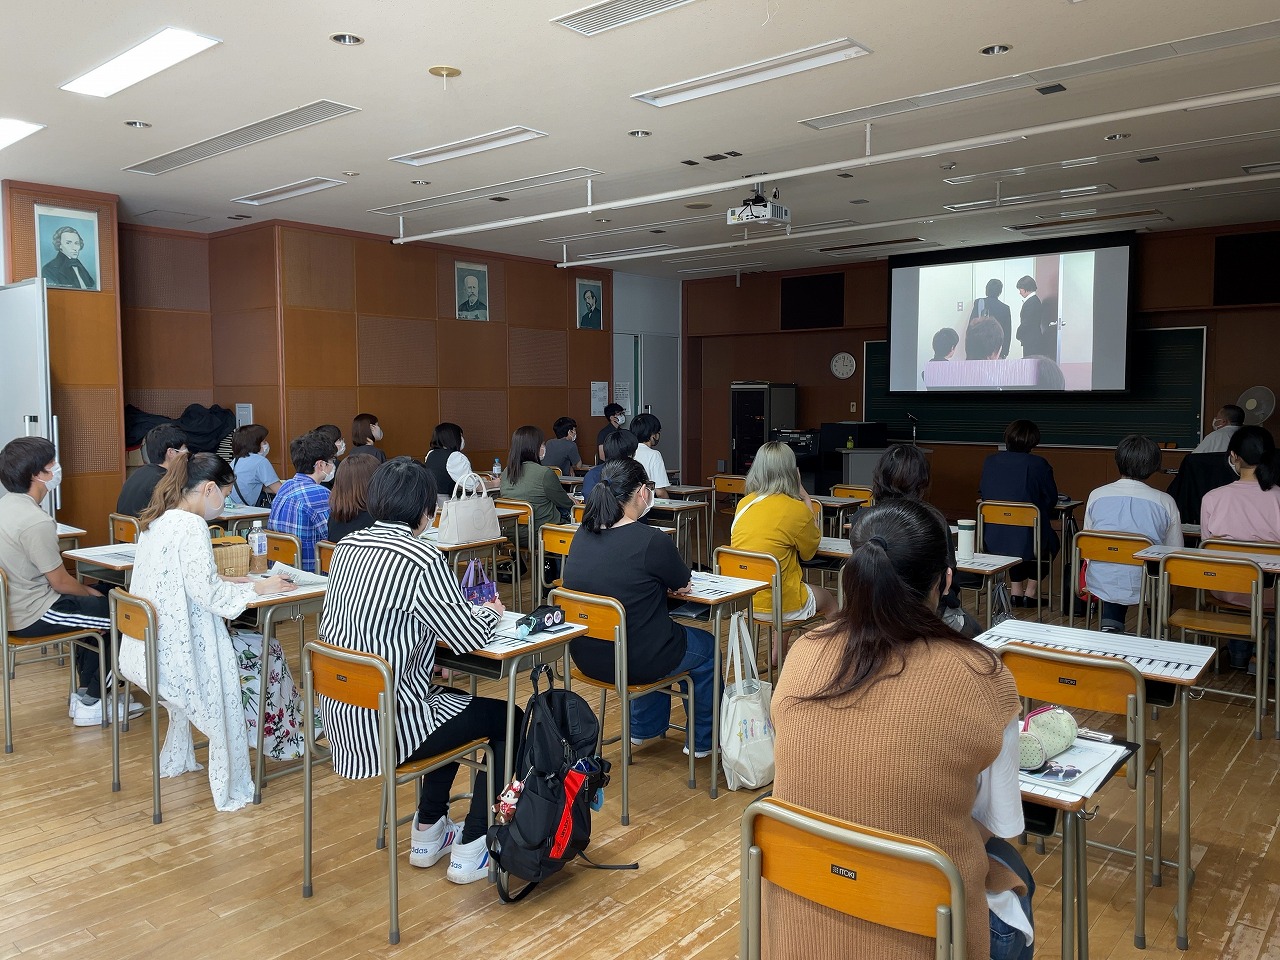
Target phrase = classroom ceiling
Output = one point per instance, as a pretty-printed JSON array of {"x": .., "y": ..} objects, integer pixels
[{"x": 522, "y": 68}]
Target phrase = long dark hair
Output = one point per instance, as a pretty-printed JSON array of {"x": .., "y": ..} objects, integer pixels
[
  {"x": 619, "y": 481},
  {"x": 899, "y": 558},
  {"x": 525, "y": 444},
  {"x": 1257, "y": 448},
  {"x": 351, "y": 487},
  {"x": 184, "y": 474}
]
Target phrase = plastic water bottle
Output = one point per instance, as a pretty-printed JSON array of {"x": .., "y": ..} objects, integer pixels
[
  {"x": 497, "y": 469},
  {"x": 257, "y": 548}
]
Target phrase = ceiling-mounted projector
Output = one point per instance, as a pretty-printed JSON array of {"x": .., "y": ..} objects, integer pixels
[{"x": 756, "y": 209}]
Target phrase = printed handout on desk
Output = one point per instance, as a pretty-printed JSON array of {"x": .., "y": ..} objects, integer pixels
[
  {"x": 116, "y": 553},
  {"x": 1075, "y": 773},
  {"x": 300, "y": 577},
  {"x": 508, "y": 640}
]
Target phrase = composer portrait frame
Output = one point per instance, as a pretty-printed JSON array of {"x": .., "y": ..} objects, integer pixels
[{"x": 67, "y": 248}]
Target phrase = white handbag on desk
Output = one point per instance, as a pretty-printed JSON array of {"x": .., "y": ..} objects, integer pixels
[
  {"x": 746, "y": 732},
  {"x": 470, "y": 515}
]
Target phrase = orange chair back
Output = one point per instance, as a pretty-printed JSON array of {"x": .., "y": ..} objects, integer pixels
[
  {"x": 124, "y": 528},
  {"x": 852, "y": 491},
  {"x": 1110, "y": 547},
  {"x": 1211, "y": 573},
  {"x": 1081, "y": 681},
  {"x": 579, "y": 511},
  {"x": 348, "y": 676},
  {"x": 729, "y": 483},
  {"x": 602, "y": 616},
  {"x": 524, "y": 506},
  {"x": 284, "y": 548},
  {"x": 134, "y": 616},
  {"x": 1009, "y": 514},
  {"x": 555, "y": 542},
  {"x": 324, "y": 555}
]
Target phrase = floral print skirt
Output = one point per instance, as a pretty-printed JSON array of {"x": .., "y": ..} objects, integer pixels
[{"x": 282, "y": 731}]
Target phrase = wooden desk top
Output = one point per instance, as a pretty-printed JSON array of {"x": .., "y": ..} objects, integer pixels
[
  {"x": 685, "y": 490},
  {"x": 979, "y": 563},
  {"x": 110, "y": 556},
  {"x": 677, "y": 506},
  {"x": 234, "y": 512},
  {"x": 66, "y": 531},
  {"x": 302, "y": 594},
  {"x": 714, "y": 588},
  {"x": 506, "y": 645},
  {"x": 1268, "y": 562},
  {"x": 836, "y": 502}
]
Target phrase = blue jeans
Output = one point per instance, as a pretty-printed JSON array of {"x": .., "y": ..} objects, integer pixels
[
  {"x": 1009, "y": 943},
  {"x": 651, "y": 714}
]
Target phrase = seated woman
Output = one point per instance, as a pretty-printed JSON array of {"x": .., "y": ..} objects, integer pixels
[
  {"x": 365, "y": 433},
  {"x": 208, "y": 677},
  {"x": 1128, "y": 506},
  {"x": 903, "y": 473},
  {"x": 1016, "y": 474},
  {"x": 525, "y": 478},
  {"x": 776, "y": 517},
  {"x": 888, "y": 718},
  {"x": 1248, "y": 509},
  {"x": 254, "y": 472},
  {"x": 449, "y": 466},
  {"x": 394, "y": 594},
  {"x": 348, "y": 510},
  {"x": 614, "y": 556}
]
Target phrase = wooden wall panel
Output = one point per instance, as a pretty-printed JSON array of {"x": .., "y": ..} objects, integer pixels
[
  {"x": 164, "y": 270},
  {"x": 395, "y": 281},
  {"x": 407, "y": 416},
  {"x": 396, "y": 351},
  {"x": 266, "y": 400},
  {"x": 242, "y": 270},
  {"x": 540, "y": 407},
  {"x": 84, "y": 338},
  {"x": 482, "y": 414},
  {"x": 473, "y": 355},
  {"x": 721, "y": 307},
  {"x": 168, "y": 401},
  {"x": 308, "y": 407},
  {"x": 1175, "y": 270},
  {"x": 165, "y": 348},
  {"x": 590, "y": 357},
  {"x": 319, "y": 348},
  {"x": 89, "y": 431},
  {"x": 866, "y": 294},
  {"x": 537, "y": 358},
  {"x": 538, "y": 295},
  {"x": 246, "y": 347},
  {"x": 87, "y": 500},
  {"x": 317, "y": 269},
  {"x": 447, "y": 302}
]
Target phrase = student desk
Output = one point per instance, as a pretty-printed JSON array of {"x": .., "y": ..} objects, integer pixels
[
  {"x": 571, "y": 483},
  {"x": 839, "y": 506},
  {"x": 236, "y": 518},
  {"x": 541, "y": 556},
  {"x": 1160, "y": 662},
  {"x": 1066, "y": 513},
  {"x": 455, "y": 553},
  {"x": 505, "y": 657},
  {"x": 681, "y": 512},
  {"x": 111, "y": 563},
  {"x": 719, "y": 593},
  {"x": 273, "y": 608},
  {"x": 703, "y": 495},
  {"x": 70, "y": 536}
]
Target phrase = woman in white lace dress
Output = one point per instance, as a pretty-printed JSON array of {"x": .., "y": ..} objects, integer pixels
[{"x": 208, "y": 678}]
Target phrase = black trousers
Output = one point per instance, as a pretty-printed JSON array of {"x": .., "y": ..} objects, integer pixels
[
  {"x": 70, "y": 613},
  {"x": 482, "y": 718}
]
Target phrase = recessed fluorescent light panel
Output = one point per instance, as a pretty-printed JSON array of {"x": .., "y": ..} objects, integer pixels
[
  {"x": 637, "y": 228},
  {"x": 492, "y": 190},
  {"x": 1252, "y": 169},
  {"x": 810, "y": 58},
  {"x": 1032, "y": 197},
  {"x": 289, "y": 190},
  {"x": 608, "y": 14},
  {"x": 617, "y": 253},
  {"x": 461, "y": 148},
  {"x": 723, "y": 268},
  {"x": 168, "y": 47},
  {"x": 11, "y": 131}
]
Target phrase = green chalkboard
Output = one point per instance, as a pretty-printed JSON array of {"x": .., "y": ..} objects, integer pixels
[{"x": 1166, "y": 388}]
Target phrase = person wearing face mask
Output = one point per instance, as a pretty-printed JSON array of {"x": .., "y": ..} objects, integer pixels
[
  {"x": 256, "y": 480},
  {"x": 449, "y": 466},
  {"x": 365, "y": 432},
  {"x": 160, "y": 446},
  {"x": 636, "y": 564},
  {"x": 1225, "y": 423},
  {"x": 615, "y": 416},
  {"x": 302, "y": 505},
  {"x": 1248, "y": 509},
  {"x": 44, "y": 599},
  {"x": 206, "y": 677},
  {"x": 334, "y": 433}
]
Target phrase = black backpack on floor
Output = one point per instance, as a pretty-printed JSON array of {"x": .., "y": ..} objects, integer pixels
[{"x": 557, "y": 761}]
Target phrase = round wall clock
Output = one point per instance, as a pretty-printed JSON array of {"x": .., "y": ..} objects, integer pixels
[{"x": 843, "y": 365}]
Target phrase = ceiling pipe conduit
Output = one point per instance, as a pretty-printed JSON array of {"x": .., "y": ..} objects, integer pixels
[{"x": 969, "y": 143}]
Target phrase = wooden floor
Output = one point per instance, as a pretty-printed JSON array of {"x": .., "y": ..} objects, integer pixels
[{"x": 84, "y": 872}]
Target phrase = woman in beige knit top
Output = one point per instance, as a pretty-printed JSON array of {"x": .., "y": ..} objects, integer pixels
[{"x": 890, "y": 719}]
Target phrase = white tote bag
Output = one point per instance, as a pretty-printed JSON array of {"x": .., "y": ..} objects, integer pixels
[
  {"x": 746, "y": 732},
  {"x": 470, "y": 515}
]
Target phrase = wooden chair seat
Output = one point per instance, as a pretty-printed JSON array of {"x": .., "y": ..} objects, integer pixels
[
  {"x": 1209, "y": 621},
  {"x": 413, "y": 768},
  {"x": 636, "y": 688}
]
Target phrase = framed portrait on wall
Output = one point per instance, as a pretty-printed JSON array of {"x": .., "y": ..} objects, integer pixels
[
  {"x": 589, "y": 305},
  {"x": 471, "y": 285},
  {"x": 67, "y": 247}
]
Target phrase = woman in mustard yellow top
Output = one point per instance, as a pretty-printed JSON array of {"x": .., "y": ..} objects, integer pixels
[{"x": 776, "y": 517}]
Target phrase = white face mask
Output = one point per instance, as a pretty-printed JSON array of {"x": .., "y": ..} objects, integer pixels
[
  {"x": 619, "y": 420},
  {"x": 462, "y": 444},
  {"x": 649, "y": 502},
  {"x": 376, "y": 431},
  {"x": 342, "y": 448},
  {"x": 212, "y": 508},
  {"x": 55, "y": 478},
  {"x": 1234, "y": 463},
  {"x": 265, "y": 449}
]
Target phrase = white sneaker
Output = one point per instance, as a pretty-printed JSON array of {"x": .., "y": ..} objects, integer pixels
[
  {"x": 469, "y": 862},
  {"x": 698, "y": 754},
  {"x": 88, "y": 713},
  {"x": 429, "y": 845}
]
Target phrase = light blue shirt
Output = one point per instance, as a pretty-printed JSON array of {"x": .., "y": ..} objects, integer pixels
[
  {"x": 252, "y": 474},
  {"x": 1128, "y": 506}
]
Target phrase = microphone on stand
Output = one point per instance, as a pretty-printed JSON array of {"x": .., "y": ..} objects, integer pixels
[{"x": 914, "y": 420}]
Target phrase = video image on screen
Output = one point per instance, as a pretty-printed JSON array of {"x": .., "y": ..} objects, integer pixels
[{"x": 1044, "y": 321}]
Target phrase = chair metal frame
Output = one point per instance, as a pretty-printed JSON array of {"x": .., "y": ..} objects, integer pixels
[
  {"x": 10, "y": 645},
  {"x": 1013, "y": 514},
  {"x": 284, "y": 548},
  {"x": 1108, "y": 685},
  {"x": 1193, "y": 569},
  {"x": 731, "y": 484},
  {"x": 324, "y": 555},
  {"x": 750, "y": 565},
  {"x": 1108, "y": 546},
  {"x": 605, "y": 620},
  {"x": 883, "y": 878},
  {"x": 123, "y": 528},
  {"x": 561, "y": 541},
  {"x": 525, "y": 519},
  {"x": 365, "y": 680}
]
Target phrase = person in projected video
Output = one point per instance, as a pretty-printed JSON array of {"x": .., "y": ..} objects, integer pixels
[
  {"x": 983, "y": 339},
  {"x": 1037, "y": 330},
  {"x": 945, "y": 342},
  {"x": 992, "y": 306}
]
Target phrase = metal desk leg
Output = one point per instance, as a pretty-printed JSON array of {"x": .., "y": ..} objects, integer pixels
[
  {"x": 1184, "y": 820},
  {"x": 260, "y": 760},
  {"x": 1068, "y": 886},
  {"x": 718, "y": 669},
  {"x": 1082, "y": 886}
]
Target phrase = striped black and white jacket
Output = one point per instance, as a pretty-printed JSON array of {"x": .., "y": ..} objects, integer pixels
[{"x": 395, "y": 595}]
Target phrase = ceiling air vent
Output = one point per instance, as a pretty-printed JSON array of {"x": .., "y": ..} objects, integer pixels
[
  {"x": 600, "y": 17},
  {"x": 282, "y": 123}
]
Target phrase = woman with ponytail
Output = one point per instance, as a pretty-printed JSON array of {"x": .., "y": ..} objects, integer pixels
[
  {"x": 637, "y": 564},
  {"x": 889, "y": 718},
  {"x": 203, "y": 668},
  {"x": 1248, "y": 509}
]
